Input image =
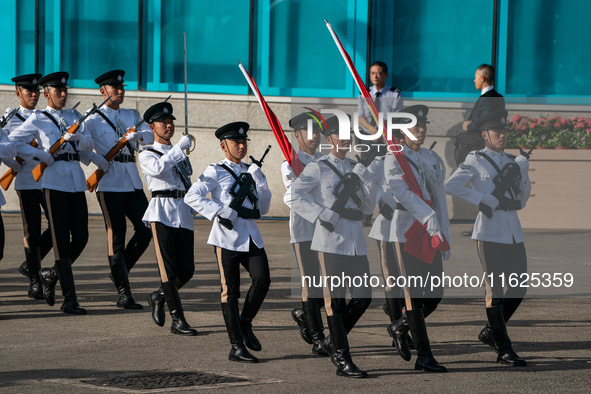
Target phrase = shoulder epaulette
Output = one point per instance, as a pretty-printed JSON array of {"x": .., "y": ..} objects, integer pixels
[
  {"x": 510, "y": 155},
  {"x": 394, "y": 89}
]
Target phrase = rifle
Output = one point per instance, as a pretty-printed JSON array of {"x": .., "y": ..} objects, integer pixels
[
  {"x": 4, "y": 120},
  {"x": 528, "y": 153},
  {"x": 506, "y": 179},
  {"x": 372, "y": 154},
  {"x": 347, "y": 188},
  {"x": 247, "y": 187},
  {"x": 38, "y": 171},
  {"x": 95, "y": 177}
]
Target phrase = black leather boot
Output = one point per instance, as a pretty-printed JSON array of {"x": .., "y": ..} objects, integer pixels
[
  {"x": 238, "y": 352},
  {"x": 486, "y": 337},
  {"x": 33, "y": 267},
  {"x": 499, "y": 331},
  {"x": 121, "y": 280},
  {"x": 314, "y": 323},
  {"x": 23, "y": 269},
  {"x": 179, "y": 324},
  {"x": 49, "y": 278},
  {"x": 399, "y": 332},
  {"x": 252, "y": 303},
  {"x": 298, "y": 316},
  {"x": 66, "y": 278},
  {"x": 341, "y": 356},
  {"x": 425, "y": 360},
  {"x": 156, "y": 302}
]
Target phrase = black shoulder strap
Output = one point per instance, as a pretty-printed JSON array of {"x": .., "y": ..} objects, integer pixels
[
  {"x": 225, "y": 167},
  {"x": 52, "y": 119},
  {"x": 107, "y": 120},
  {"x": 332, "y": 167},
  {"x": 412, "y": 163},
  {"x": 155, "y": 151},
  {"x": 491, "y": 161},
  {"x": 20, "y": 117}
]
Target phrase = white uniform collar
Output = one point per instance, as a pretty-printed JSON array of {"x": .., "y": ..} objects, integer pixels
[
  {"x": 24, "y": 110},
  {"x": 53, "y": 110},
  {"x": 231, "y": 164},
  {"x": 110, "y": 110},
  {"x": 161, "y": 147},
  {"x": 486, "y": 89}
]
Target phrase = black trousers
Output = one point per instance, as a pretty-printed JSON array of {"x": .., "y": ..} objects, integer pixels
[
  {"x": 254, "y": 261},
  {"x": 116, "y": 206},
  {"x": 2, "y": 237},
  {"x": 174, "y": 253},
  {"x": 421, "y": 296},
  {"x": 507, "y": 259},
  {"x": 68, "y": 220},
  {"x": 31, "y": 202},
  {"x": 343, "y": 267},
  {"x": 309, "y": 266}
]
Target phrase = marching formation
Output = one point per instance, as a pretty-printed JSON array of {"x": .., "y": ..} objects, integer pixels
[{"x": 329, "y": 195}]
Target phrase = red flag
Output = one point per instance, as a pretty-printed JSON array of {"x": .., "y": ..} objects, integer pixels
[
  {"x": 418, "y": 241},
  {"x": 286, "y": 148}
]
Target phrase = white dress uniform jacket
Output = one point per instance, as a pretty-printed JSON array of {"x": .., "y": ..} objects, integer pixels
[
  {"x": 121, "y": 177},
  {"x": 160, "y": 175},
  {"x": 7, "y": 149},
  {"x": 24, "y": 178},
  {"x": 380, "y": 230},
  {"x": 300, "y": 229},
  {"x": 504, "y": 226},
  {"x": 432, "y": 171},
  {"x": 218, "y": 181},
  {"x": 312, "y": 194},
  {"x": 64, "y": 176}
]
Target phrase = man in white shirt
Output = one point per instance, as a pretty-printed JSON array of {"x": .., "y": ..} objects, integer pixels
[
  {"x": 338, "y": 237},
  {"x": 497, "y": 229},
  {"x": 309, "y": 316},
  {"x": 120, "y": 191},
  {"x": 63, "y": 184},
  {"x": 170, "y": 219},
  {"x": 239, "y": 196}
]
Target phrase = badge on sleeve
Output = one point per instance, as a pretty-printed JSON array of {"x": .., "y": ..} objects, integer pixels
[
  {"x": 465, "y": 166},
  {"x": 289, "y": 176},
  {"x": 305, "y": 178},
  {"x": 393, "y": 171},
  {"x": 203, "y": 178}
]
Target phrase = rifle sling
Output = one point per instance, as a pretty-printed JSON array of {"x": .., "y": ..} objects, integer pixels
[
  {"x": 176, "y": 171},
  {"x": 56, "y": 123},
  {"x": 357, "y": 200},
  {"x": 243, "y": 212},
  {"x": 497, "y": 169},
  {"x": 132, "y": 152},
  {"x": 20, "y": 117},
  {"x": 416, "y": 167}
]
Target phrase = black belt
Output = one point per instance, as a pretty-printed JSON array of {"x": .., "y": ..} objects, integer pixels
[
  {"x": 500, "y": 208},
  {"x": 67, "y": 157},
  {"x": 169, "y": 193},
  {"x": 124, "y": 158},
  {"x": 400, "y": 207},
  {"x": 351, "y": 214}
]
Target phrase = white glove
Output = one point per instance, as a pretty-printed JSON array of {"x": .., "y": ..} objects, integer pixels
[
  {"x": 257, "y": 174},
  {"x": 523, "y": 164},
  {"x": 329, "y": 216},
  {"x": 490, "y": 201},
  {"x": 228, "y": 213},
  {"x": 446, "y": 255},
  {"x": 100, "y": 161},
  {"x": 71, "y": 137},
  {"x": 44, "y": 157},
  {"x": 133, "y": 136},
  {"x": 362, "y": 172},
  {"x": 13, "y": 164},
  {"x": 184, "y": 143},
  {"x": 433, "y": 225}
]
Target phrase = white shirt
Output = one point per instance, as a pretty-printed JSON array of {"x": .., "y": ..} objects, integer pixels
[
  {"x": 160, "y": 175},
  {"x": 218, "y": 181},
  {"x": 504, "y": 226},
  {"x": 486, "y": 89},
  {"x": 7, "y": 150},
  {"x": 121, "y": 177},
  {"x": 24, "y": 178},
  {"x": 390, "y": 100},
  {"x": 300, "y": 230},
  {"x": 64, "y": 176},
  {"x": 432, "y": 172},
  {"x": 312, "y": 193},
  {"x": 381, "y": 226}
]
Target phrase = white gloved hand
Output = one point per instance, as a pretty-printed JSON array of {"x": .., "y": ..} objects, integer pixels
[
  {"x": 523, "y": 164},
  {"x": 490, "y": 201},
  {"x": 44, "y": 157},
  {"x": 446, "y": 255},
  {"x": 133, "y": 136},
  {"x": 100, "y": 161},
  {"x": 13, "y": 164},
  {"x": 329, "y": 216},
  {"x": 257, "y": 174},
  {"x": 433, "y": 225},
  {"x": 184, "y": 143},
  {"x": 362, "y": 172},
  {"x": 228, "y": 213},
  {"x": 71, "y": 137}
]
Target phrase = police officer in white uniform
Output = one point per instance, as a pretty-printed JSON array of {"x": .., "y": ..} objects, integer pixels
[
  {"x": 170, "y": 219},
  {"x": 497, "y": 230},
  {"x": 37, "y": 243},
  {"x": 338, "y": 237},
  {"x": 63, "y": 183},
  {"x": 309, "y": 316},
  {"x": 234, "y": 234},
  {"x": 429, "y": 170},
  {"x": 120, "y": 191},
  {"x": 7, "y": 153}
]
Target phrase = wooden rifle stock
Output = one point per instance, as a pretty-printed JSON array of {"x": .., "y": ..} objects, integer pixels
[
  {"x": 38, "y": 171},
  {"x": 95, "y": 177},
  {"x": 8, "y": 177}
]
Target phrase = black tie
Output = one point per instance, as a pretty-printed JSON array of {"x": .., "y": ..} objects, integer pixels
[{"x": 378, "y": 94}]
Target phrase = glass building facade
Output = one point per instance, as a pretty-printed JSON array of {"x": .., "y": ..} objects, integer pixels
[{"x": 539, "y": 47}]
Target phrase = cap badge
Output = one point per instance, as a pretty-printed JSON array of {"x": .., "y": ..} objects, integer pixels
[
  {"x": 63, "y": 80},
  {"x": 241, "y": 131},
  {"x": 503, "y": 121},
  {"x": 165, "y": 110},
  {"x": 420, "y": 113},
  {"x": 35, "y": 81},
  {"x": 119, "y": 78}
]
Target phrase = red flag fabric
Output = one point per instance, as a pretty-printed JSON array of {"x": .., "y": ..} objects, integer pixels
[
  {"x": 418, "y": 246},
  {"x": 286, "y": 148}
]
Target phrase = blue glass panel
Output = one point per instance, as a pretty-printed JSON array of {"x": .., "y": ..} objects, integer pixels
[
  {"x": 432, "y": 45},
  {"x": 8, "y": 32},
  {"x": 548, "y": 47},
  {"x": 25, "y": 37}
]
